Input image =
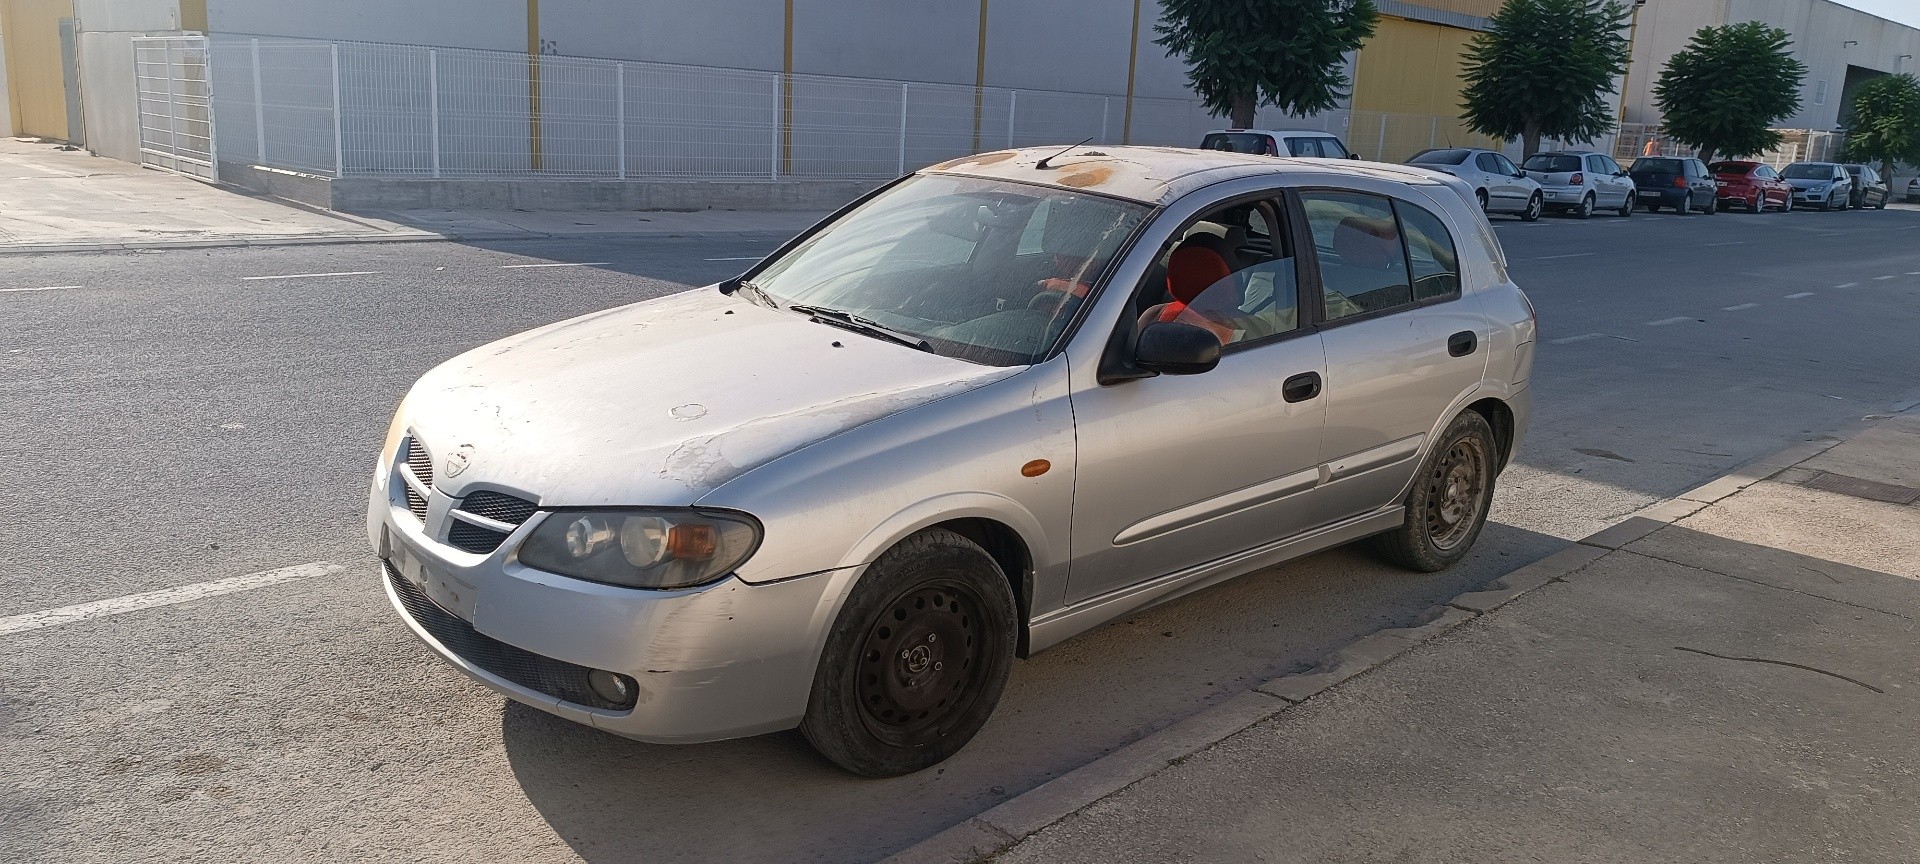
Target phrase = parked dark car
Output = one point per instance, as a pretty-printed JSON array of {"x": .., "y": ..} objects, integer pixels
[
  {"x": 1913, "y": 191},
  {"x": 1825, "y": 185},
  {"x": 1869, "y": 190},
  {"x": 1753, "y": 185},
  {"x": 1679, "y": 182}
]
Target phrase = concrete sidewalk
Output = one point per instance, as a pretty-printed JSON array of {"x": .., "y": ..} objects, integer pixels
[
  {"x": 1734, "y": 678},
  {"x": 54, "y": 200}
]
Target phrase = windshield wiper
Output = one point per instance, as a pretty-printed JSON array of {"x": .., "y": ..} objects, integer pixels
[
  {"x": 866, "y": 326},
  {"x": 757, "y": 291}
]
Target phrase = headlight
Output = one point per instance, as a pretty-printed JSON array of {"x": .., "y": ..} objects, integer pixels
[
  {"x": 396, "y": 429},
  {"x": 642, "y": 548}
]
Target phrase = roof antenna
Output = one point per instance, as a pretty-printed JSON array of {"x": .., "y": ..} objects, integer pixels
[{"x": 1042, "y": 164}]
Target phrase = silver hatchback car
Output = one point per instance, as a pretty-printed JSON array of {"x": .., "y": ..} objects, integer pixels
[{"x": 984, "y": 409}]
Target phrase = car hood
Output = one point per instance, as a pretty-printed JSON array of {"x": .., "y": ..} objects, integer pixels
[{"x": 660, "y": 402}]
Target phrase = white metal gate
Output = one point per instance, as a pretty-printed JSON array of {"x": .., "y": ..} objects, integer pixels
[{"x": 176, "y": 99}]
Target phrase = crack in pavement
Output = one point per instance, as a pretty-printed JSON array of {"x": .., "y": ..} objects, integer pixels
[
  {"x": 1780, "y": 663},
  {"x": 1765, "y": 584}
]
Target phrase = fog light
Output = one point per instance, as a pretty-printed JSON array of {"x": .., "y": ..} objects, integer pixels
[{"x": 614, "y": 688}]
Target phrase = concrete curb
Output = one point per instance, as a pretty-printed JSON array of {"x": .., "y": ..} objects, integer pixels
[{"x": 1001, "y": 827}]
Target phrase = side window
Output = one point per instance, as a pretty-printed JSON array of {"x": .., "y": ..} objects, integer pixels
[
  {"x": 1504, "y": 164},
  {"x": 1611, "y": 167},
  {"x": 1231, "y": 273},
  {"x": 1335, "y": 148},
  {"x": 1595, "y": 166},
  {"x": 1357, "y": 241},
  {"x": 1436, "y": 266},
  {"x": 1304, "y": 147},
  {"x": 1489, "y": 163}
]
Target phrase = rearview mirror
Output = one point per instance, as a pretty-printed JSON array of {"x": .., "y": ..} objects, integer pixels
[{"x": 1174, "y": 348}]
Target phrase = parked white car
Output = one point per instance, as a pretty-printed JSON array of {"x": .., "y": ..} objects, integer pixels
[
  {"x": 1582, "y": 181},
  {"x": 1499, "y": 185},
  {"x": 1297, "y": 143},
  {"x": 990, "y": 406}
]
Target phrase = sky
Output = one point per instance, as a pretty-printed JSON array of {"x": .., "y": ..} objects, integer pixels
[{"x": 1904, "y": 11}]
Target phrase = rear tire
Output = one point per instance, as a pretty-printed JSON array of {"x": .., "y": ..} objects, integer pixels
[
  {"x": 1585, "y": 211},
  {"x": 1685, "y": 206},
  {"x": 1448, "y": 504},
  {"x": 890, "y": 697},
  {"x": 1758, "y": 203},
  {"x": 1480, "y": 195}
]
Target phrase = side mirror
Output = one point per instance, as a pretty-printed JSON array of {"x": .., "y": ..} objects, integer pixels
[
  {"x": 1353, "y": 155},
  {"x": 1173, "y": 348}
]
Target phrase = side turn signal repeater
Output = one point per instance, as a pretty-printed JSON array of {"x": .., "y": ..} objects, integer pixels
[{"x": 1035, "y": 468}]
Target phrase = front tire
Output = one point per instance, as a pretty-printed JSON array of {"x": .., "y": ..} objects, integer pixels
[
  {"x": 1713, "y": 206},
  {"x": 916, "y": 659},
  {"x": 1480, "y": 195},
  {"x": 1535, "y": 206},
  {"x": 1449, "y": 501},
  {"x": 1626, "y": 206}
]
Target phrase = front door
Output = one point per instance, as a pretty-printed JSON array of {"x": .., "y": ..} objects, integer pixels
[
  {"x": 1401, "y": 341},
  {"x": 1178, "y": 470}
]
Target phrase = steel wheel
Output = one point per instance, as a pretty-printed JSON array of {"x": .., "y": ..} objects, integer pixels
[
  {"x": 1454, "y": 493},
  {"x": 919, "y": 665}
]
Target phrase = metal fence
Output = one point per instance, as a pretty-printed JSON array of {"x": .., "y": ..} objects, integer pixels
[
  {"x": 1796, "y": 145},
  {"x": 175, "y": 104}
]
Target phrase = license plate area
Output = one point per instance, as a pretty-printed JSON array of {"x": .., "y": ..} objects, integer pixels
[{"x": 446, "y": 591}]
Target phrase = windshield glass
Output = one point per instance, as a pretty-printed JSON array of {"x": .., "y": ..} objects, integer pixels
[
  {"x": 1552, "y": 162},
  {"x": 1663, "y": 166},
  {"x": 982, "y": 270},
  {"x": 1439, "y": 157},
  {"x": 1808, "y": 171},
  {"x": 1239, "y": 142}
]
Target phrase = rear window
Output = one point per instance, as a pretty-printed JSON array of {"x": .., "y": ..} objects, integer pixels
[
  {"x": 1558, "y": 163},
  {"x": 1439, "y": 157},
  {"x": 1730, "y": 167},
  {"x": 1663, "y": 166},
  {"x": 1238, "y": 142}
]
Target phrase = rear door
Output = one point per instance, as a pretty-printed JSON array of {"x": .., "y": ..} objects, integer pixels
[
  {"x": 1401, "y": 341},
  {"x": 1502, "y": 193},
  {"x": 1611, "y": 189}
]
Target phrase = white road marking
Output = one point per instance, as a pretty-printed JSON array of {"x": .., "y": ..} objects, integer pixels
[
  {"x": 1847, "y": 285},
  {"x": 1799, "y": 295},
  {"x": 48, "y": 288},
  {"x": 1885, "y": 278},
  {"x": 1729, "y": 243},
  {"x": 1564, "y": 340},
  {"x": 564, "y": 264},
  {"x": 1913, "y": 272},
  {"x": 163, "y": 597},
  {"x": 1739, "y": 307},
  {"x": 747, "y": 258},
  {"x": 1665, "y": 321},
  {"x": 1556, "y": 257},
  {"x": 312, "y": 275}
]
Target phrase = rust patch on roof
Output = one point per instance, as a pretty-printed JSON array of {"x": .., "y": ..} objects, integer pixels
[
  {"x": 1081, "y": 178},
  {"x": 978, "y": 160}
]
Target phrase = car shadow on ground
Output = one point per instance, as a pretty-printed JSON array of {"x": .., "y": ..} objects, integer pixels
[{"x": 612, "y": 799}]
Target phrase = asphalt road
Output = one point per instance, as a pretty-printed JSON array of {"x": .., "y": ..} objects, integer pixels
[{"x": 170, "y": 421}]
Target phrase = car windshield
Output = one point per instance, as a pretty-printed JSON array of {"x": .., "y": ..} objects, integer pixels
[
  {"x": 1728, "y": 167},
  {"x": 1440, "y": 157},
  {"x": 1557, "y": 163},
  {"x": 981, "y": 270},
  {"x": 1854, "y": 170},
  {"x": 1808, "y": 171},
  {"x": 1664, "y": 166},
  {"x": 1237, "y": 142}
]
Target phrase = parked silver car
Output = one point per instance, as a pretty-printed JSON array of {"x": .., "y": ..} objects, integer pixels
[
  {"x": 1497, "y": 183},
  {"x": 1825, "y": 185},
  {"x": 991, "y": 406},
  {"x": 1582, "y": 181}
]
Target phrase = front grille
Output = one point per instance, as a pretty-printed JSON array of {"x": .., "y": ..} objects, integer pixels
[
  {"x": 420, "y": 465},
  {"x": 556, "y": 678},
  {"x": 497, "y": 506},
  {"x": 473, "y": 538}
]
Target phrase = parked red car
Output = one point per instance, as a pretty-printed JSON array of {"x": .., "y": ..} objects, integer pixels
[{"x": 1753, "y": 185}]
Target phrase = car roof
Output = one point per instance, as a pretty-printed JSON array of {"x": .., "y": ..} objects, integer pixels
[
  {"x": 1315, "y": 132},
  {"x": 1568, "y": 153},
  {"x": 1154, "y": 175}
]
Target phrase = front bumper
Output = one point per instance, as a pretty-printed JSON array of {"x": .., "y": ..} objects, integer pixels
[
  {"x": 723, "y": 660},
  {"x": 1802, "y": 196}
]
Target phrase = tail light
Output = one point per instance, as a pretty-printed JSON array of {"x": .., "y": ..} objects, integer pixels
[
  {"x": 1679, "y": 182},
  {"x": 1577, "y": 179}
]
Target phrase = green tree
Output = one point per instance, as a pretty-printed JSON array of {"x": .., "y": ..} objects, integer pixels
[
  {"x": 1886, "y": 122},
  {"x": 1722, "y": 92},
  {"x": 1544, "y": 68},
  {"x": 1242, "y": 54}
]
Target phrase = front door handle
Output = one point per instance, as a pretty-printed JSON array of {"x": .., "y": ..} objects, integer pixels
[
  {"x": 1301, "y": 387},
  {"x": 1462, "y": 343}
]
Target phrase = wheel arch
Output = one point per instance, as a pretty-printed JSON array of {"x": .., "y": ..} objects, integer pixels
[
  {"x": 1009, "y": 550},
  {"x": 1499, "y": 415}
]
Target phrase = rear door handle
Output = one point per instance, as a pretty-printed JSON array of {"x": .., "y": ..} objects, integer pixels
[
  {"x": 1462, "y": 343},
  {"x": 1301, "y": 387}
]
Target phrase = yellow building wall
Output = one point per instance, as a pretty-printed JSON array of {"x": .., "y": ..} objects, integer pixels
[
  {"x": 39, "y": 95},
  {"x": 1406, "y": 89}
]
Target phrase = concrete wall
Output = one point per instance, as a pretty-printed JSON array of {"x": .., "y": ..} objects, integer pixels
[
  {"x": 1820, "y": 31},
  {"x": 111, "y": 100}
]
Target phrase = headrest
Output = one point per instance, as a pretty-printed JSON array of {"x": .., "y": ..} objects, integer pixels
[
  {"x": 1200, "y": 261},
  {"x": 1366, "y": 242}
]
